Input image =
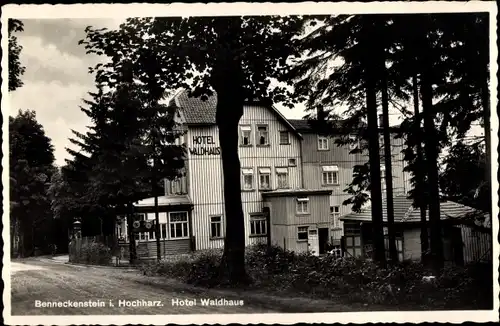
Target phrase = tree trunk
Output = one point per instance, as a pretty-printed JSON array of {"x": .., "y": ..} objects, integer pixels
[
  {"x": 431, "y": 154},
  {"x": 157, "y": 213},
  {"x": 131, "y": 235},
  {"x": 393, "y": 252},
  {"x": 485, "y": 99},
  {"x": 373, "y": 146},
  {"x": 227, "y": 81},
  {"x": 424, "y": 237}
]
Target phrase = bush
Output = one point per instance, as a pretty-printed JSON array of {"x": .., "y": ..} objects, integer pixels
[
  {"x": 93, "y": 253},
  {"x": 352, "y": 279}
]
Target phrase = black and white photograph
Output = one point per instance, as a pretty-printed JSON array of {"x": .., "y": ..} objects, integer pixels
[{"x": 250, "y": 163}]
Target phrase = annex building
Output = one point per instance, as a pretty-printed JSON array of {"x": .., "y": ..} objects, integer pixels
[{"x": 292, "y": 183}]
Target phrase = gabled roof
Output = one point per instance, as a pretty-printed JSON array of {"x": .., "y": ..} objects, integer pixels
[
  {"x": 405, "y": 212},
  {"x": 306, "y": 125},
  {"x": 199, "y": 112}
]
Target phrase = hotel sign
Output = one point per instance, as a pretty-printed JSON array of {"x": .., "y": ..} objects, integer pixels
[{"x": 203, "y": 145}]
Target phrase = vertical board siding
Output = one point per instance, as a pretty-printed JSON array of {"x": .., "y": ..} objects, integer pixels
[
  {"x": 314, "y": 159},
  {"x": 206, "y": 177},
  {"x": 477, "y": 245}
]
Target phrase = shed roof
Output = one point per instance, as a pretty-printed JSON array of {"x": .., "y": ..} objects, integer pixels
[
  {"x": 295, "y": 192},
  {"x": 165, "y": 201},
  {"x": 405, "y": 212}
]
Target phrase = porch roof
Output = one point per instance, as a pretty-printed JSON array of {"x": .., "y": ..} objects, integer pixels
[
  {"x": 295, "y": 192},
  {"x": 404, "y": 212},
  {"x": 173, "y": 200}
]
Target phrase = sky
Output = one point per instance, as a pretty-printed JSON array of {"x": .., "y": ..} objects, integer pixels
[{"x": 57, "y": 79}]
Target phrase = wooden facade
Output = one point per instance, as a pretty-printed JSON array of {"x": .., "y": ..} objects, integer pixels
[
  {"x": 466, "y": 232},
  {"x": 294, "y": 228},
  {"x": 321, "y": 153},
  {"x": 275, "y": 157}
]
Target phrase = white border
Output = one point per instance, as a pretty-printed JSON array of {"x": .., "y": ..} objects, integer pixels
[{"x": 177, "y": 9}]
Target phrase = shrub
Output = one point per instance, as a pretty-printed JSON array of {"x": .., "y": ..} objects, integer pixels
[
  {"x": 93, "y": 253},
  {"x": 353, "y": 279}
]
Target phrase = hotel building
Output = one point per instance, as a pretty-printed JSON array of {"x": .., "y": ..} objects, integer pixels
[{"x": 292, "y": 183}]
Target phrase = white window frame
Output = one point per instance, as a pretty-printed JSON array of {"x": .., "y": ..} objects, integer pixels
[
  {"x": 247, "y": 172},
  {"x": 301, "y": 203},
  {"x": 221, "y": 226},
  {"x": 185, "y": 232},
  {"x": 264, "y": 171},
  {"x": 258, "y": 134},
  {"x": 323, "y": 143},
  {"x": 287, "y": 137},
  {"x": 261, "y": 220},
  {"x": 280, "y": 171},
  {"x": 302, "y": 230},
  {"x": 335, "y": 212},
  {"x": 326, "y": 172},
  {"x": 245, "y": 129}
]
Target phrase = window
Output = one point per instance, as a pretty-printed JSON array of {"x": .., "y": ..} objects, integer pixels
[
  {"x": 216, "y": 227},
  {"x": 140, "y": 235},
  {"x": 302, "y": 205},
  {"x": 264, "y": 178},
  {"x": 258, "y": 225},
  {"x": 330, "y": 175},
  {"x": 262, "y": 135},
  {"x": 247, "y": 178},
  {"x": 322, "y": 143},
  {"x": 284, "y": 138},
  {"x": 282, "y": 177},
  {"x": 178, "y": 225},
  {"x": 302, "y": 232},
  {"x": 382, "y": 177},
  {"x": 246, "y": 135},
  {"x": 399, "y": 244},
  {"x": 175, "y": 187},
  {"x": 292, "y": 162},
  {"x": 335, "y": 211}
]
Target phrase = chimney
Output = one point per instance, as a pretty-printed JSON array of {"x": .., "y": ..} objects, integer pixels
[{"x": 380, "y": 120}]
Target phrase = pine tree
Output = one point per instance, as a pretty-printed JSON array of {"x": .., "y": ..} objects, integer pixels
[{"x": 31, "y": 167}]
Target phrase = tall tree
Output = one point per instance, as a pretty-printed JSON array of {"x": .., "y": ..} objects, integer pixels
[
  {"x": 31, "y": 166},
  {"x": 233, "y": 57},
  {"x": 352, "y": 83},
  {"x": 16, "y": 69},
  {"x": 383, "y": 34}
]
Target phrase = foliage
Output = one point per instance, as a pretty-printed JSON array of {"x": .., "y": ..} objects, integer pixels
[
  {"x": 93, "y": 253},
  {"x": 31, "y": 168},
  {"x": 455, "y": 182},
  {"x": 16, "y": 69},
  {"x": 355, "y": 280},
  {"x": 231, "y": 57}
]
